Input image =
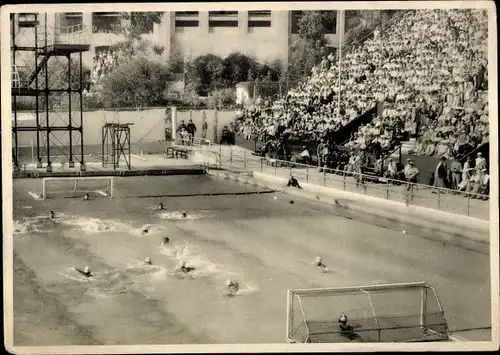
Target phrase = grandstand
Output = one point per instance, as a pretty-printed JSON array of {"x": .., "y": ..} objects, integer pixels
[{"x": 418, "y": 88}]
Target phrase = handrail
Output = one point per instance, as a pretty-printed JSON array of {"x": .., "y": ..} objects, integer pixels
[{"x": 360, "y": 177}]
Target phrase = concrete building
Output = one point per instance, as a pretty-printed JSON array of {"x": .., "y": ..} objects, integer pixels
[{"x": 265, "y": 35}]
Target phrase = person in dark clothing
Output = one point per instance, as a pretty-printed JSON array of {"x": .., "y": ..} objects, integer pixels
[
  {"x": 347, "y": 330},
  {"x": 293, "y": 182},
  {"x": 191, "y": 129}
]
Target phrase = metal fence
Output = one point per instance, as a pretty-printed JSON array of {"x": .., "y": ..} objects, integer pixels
[{"x": 411, "y": 194}]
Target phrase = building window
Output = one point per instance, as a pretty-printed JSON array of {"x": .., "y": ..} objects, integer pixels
[
  {"x": 186, "y": 23},
  {"x": 330, "y": 21},
  {"x": 105, "y": 22},
  {"x": 223, "y": 13},
  {"x": 259, "y": 13},
  {"x": 222, "y": 23},
  {"x": 141, "y": 23},
  {"x": 101, "y": 50},
  {"x": 186, "y": 13},
  {"x": 296, "y": 16},
  {"x": 71, "y": 19},
  {"x": 257, "y": 23}
]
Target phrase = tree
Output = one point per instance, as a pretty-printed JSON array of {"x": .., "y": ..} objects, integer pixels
[
  {"x": 236, "y": 67},
  {"x": 206, "y": 74},
  {"x": 134, "y": 25},
  {"x": 222, "y": 97},
  {"x": 309, "y": 48},
  {"x": 138, "y": 83}
]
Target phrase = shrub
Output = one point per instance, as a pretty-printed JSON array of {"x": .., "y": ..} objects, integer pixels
[{"x": 140, "y": 82}]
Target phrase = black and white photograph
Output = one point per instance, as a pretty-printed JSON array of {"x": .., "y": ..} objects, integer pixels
[{"x": 250, "y": 177}]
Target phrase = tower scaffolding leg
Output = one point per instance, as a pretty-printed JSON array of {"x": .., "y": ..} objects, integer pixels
[
  {"x": 71, "y": 163},
  {"x": 82, "y": 163}
]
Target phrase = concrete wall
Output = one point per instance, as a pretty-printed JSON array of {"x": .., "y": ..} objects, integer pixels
[{"x": 148, "y": 126}]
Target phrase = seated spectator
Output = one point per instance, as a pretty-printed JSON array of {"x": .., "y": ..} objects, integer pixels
[
  {"x": 411, "y": 174},
  {"x": 392, "y": 169}
]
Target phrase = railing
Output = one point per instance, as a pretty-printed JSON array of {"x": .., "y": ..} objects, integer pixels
[
  {"x": 411, "y": 194},
  {"x": 74, "y": 34}
]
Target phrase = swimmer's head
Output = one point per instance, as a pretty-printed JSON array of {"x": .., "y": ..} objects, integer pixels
[
  {"x": 184, "y": 214},
  {"x": 166, "y": 240},
  {"x": 147, "y": 260},
  {"x": 317, "y": 259},
  {"x": 52, "y": 214},
  {"x": 145, "y": 228},
  {"x": 182, "y": 264},
  {"x": 229, "y": 282},
  {"x": 343, "y": 319},
  {"x": 86, "y": 197},
  {"x": 86, "y": 270},
  {"x": 160, "y": 206}
]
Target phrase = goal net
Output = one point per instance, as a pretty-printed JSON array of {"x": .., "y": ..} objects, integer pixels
[
  {"x": 406, "y": 312},
  {"x": 77, "y": 187}
]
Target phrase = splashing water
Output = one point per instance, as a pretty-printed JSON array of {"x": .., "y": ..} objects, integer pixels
[
  {"x": 178, "y": 215},
  {"x": 193, "y": 257},
  {"x": 94, "y": 225},
  {"x": 37, "y": 224}
]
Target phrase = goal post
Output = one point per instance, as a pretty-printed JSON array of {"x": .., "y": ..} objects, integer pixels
[
  {"x": 401, "y": 312},
  {"x": 75, "y": 187}
]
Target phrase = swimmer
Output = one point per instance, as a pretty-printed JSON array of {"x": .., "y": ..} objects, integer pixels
[
  {"x": 185, "y": 268},
  {"x": 147, "y": 260},
  {"x": 232, "y": 287},
  {"x": 347, "y": 330},
  {"x": 165, "y": 241},
  {"x": 145, "y": 229},
  {"x": 293, "y": 182},
  {"x": 184, "y": 214},
  {"x": 86, "y": 197},
  {"x": 52, "y": 214},
  {"x": 160, "y": 206},
  {"x": 85, "y": 272},
  {"x": 319, "y": 263}
]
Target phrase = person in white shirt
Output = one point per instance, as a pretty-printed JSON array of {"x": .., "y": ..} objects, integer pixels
[
  {"x": 391, "y": 169},
  {"x": 411, "y": 174}
]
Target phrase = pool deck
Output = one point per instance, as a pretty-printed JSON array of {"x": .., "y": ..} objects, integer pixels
[{"x": 141, "y": 165}]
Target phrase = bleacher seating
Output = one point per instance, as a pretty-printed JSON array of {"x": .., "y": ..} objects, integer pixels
[{"x": 429, "y": 69}]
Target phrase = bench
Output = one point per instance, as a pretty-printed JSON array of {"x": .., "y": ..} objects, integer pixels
[{"x": 177, "y": 152}]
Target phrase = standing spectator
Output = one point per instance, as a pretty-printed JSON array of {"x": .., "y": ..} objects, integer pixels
[
  {"x": 181, "y": 128},
  {"x": 321, "y": 153},
  {"x": 191, "y": 128},
  {"x": 440, "y": 175},
  {"x": 480, "y": 163},
  {"x": 411, "y": 174},
  {"x": 468, "y": 167},
  {"x": 456, "y": 173}
]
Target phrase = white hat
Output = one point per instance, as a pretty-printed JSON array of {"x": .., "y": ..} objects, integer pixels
[
  {"x": 147, "y": 260},
  {"x": 343, "y": 318},
  {"x": 86, "y": 270},
  {"x": 317, "y": 259},
  {"x": 229, "y": 282},
  {"x": 182, "y": 263}
]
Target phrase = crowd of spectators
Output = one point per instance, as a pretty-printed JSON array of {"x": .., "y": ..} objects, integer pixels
[
  {"x": 429, "y": 70},
  {"x": 105, "y": 60}
]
